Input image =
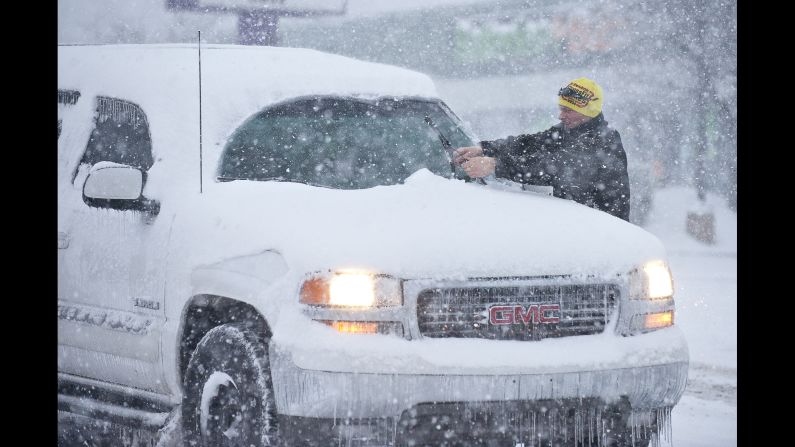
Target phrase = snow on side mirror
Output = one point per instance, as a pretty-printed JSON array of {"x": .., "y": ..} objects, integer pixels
[
  {"x": 117, "y": 186},
  {"x": 113, "y": 182}
]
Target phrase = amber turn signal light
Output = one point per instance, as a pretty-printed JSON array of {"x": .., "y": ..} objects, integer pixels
[
  {"x": 354, "y": 327},
  {"x": 659, "y": 320},
  {"x": 315, "y": 291}
]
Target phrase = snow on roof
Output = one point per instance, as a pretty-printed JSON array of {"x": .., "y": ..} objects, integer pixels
[
  {"x": 277, "y": 68},
  {"x": 236, "y": 80}
]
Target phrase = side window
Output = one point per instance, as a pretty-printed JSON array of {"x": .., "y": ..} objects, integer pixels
[
  {"x": 120, "y": 135},
  {"x": 66, "y": 98}
]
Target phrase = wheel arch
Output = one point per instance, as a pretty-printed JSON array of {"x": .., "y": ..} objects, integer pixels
[
  {"x": 206, "y": 311},
  {"x": 229, "y": 291}
]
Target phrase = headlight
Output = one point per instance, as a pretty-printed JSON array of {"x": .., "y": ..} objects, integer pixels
[
  {"x": 352, "y": 289},
  {"x": 652, "y": 282},
  {"x": 651, "y": 304}
]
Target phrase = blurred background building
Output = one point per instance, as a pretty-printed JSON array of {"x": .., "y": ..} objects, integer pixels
[{"x": 668, "y": 69}]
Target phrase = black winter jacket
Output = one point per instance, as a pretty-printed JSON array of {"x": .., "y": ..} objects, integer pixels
[{"x": 586, "y": 164}]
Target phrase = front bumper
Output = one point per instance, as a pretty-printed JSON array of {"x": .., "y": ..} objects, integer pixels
[
  {"x": 384, "y": 390},
  {"x": 378, "y": 390},
  {"x": 326, "y": 390}
]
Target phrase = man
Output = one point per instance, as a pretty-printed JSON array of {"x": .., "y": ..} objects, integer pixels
[{"x": 580, "y": 157}]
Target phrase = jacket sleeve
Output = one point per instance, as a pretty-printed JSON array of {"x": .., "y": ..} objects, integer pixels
[
  {"x": 517, "y": 156},
  {"x": 612, "y": 190}
]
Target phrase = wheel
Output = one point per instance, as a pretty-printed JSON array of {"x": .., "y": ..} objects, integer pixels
[{"x": 228, "y": 395}]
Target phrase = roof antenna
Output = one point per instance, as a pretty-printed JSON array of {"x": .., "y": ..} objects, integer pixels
[{"x": 201, "y": 174}]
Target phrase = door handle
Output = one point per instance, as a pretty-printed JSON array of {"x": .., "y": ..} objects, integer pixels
[{"x": 63, "y": 240}]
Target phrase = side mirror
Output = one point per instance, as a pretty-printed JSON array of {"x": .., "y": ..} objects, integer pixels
[{"x": 117, "y": 186}]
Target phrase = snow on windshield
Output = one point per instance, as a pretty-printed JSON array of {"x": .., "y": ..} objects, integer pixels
[{"x": 341, "y": 143}]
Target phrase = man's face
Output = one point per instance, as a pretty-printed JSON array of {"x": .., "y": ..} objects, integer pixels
[{"x": 571, "y": 118}]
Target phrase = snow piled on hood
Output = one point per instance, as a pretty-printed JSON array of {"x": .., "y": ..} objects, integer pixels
[{"x": 427, "y": 227}]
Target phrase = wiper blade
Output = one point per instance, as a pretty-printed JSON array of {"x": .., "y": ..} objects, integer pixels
[
  {"x": 445, "y": 142},
  {"x": 448, "y": 147},
  {"x": 273, "y": 179},
  {"x": 265, "y": 179},
  {"x": 228, "y": 179}
]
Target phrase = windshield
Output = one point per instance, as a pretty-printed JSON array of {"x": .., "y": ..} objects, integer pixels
[{"x": 342, "y": 143}]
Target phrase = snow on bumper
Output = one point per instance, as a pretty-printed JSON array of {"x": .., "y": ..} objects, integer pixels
[{"x": 316, "y": 381}]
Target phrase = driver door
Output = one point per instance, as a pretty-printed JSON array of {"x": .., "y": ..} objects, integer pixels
[{"x": 111, "y": 274}]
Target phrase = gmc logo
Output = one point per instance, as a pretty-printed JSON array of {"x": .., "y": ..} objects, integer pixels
[{"x": 535, "y": 313}]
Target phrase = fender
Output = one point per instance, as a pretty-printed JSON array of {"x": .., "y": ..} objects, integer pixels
[{"x": 241, "y": 278}]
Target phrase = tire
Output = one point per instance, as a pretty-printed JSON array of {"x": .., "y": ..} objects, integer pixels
[{"x": 227, "y": 391}]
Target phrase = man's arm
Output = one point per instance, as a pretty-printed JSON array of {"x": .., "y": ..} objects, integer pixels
[
  {"x": 612, "y": 189},
  {"x": 515, "y": 145},
  {"x": 480, "y": 161},
  {"x": 516, "y": 157}
]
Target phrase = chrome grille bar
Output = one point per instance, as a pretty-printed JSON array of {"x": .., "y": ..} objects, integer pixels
[{"x": 463, "y": 312}]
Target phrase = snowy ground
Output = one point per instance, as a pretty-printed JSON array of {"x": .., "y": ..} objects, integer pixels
[{"x": 706, "y": 301}]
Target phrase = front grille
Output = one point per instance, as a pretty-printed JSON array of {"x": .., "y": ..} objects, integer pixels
[
  {"x": 463, "y": 312},
  {"x": 546, "y": 423}
]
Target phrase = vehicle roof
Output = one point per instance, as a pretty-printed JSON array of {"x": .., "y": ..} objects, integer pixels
[
  {"x": 234, "y": 68},
  {"x": 236, "y": 81}
]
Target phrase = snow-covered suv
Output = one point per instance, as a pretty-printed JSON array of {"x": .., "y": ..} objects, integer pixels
[{"x": 281, "y": 252}]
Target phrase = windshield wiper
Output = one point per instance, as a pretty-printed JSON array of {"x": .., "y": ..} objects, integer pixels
[
  {"x": 273, "y": 179},
  {"x": 448, "y": 147},
  {"x": 264, "y": 179},
  {"x": 228, "y": 179}
]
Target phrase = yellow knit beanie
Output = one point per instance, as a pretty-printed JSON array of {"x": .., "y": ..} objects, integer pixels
[{"x": 582, "y": 95}]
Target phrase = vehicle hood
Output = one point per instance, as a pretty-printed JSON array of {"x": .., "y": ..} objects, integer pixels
[{"x": 429, "y": 226}]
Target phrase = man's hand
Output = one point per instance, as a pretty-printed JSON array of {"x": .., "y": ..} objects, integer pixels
[
  {"x": 478, "y": 167},
  {"x": 463, "y": 154}
]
